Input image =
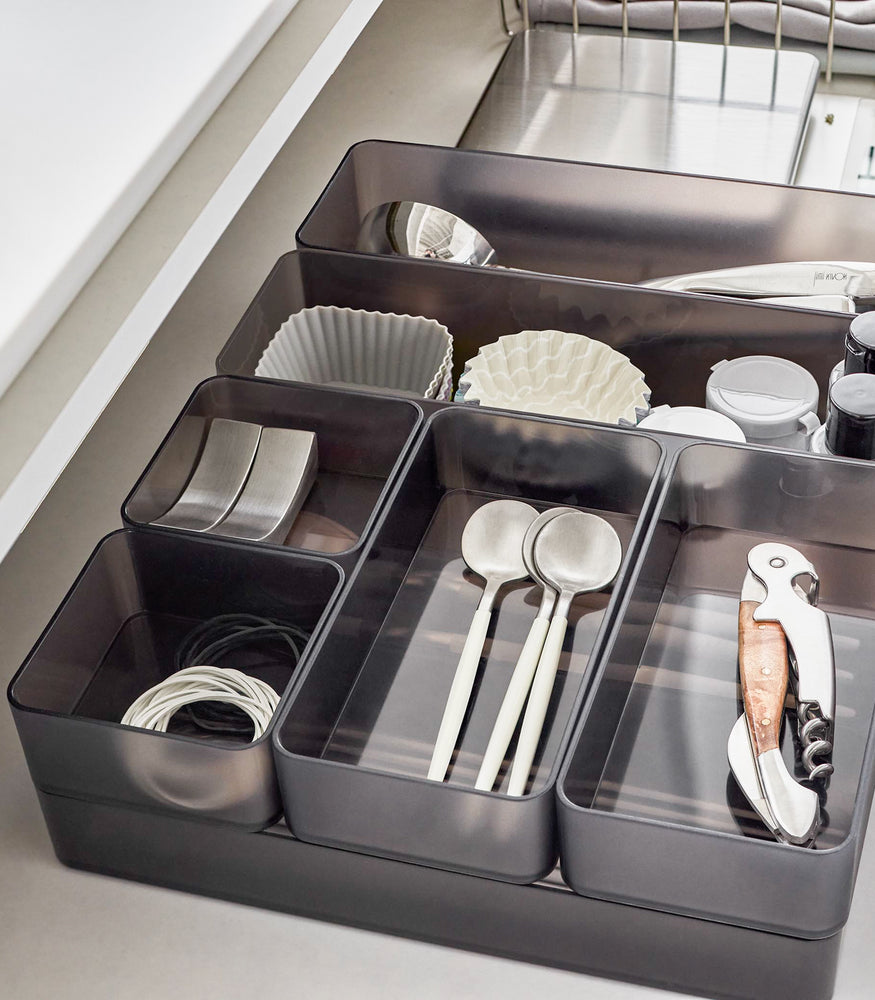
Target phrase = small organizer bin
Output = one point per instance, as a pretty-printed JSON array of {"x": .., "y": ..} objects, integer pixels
[
  {"x": 360, "y": 439},
  {"x": 115, "y": 635},
  {"x": 649, "y": 812},
  {"x": 354, "y": 743},
  {"x": 587, "y": 220},
  {"x": 673, "y": 338}
]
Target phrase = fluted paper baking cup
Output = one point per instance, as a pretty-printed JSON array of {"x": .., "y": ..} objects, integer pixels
[
  {"x": 558, "y": 374},
  {"x": 327, "y": 344}
]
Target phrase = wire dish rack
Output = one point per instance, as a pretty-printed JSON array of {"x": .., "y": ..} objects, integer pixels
[
  {"x": 623, "y": 17},
  {"x": 700, "y": 93}
]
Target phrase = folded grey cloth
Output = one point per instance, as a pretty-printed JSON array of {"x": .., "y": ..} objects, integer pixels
[{"x": 805, "y": 19}]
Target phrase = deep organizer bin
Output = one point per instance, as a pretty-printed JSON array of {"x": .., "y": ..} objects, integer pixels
[
  {"x": 115, "y": 635},
  {"x": 649, "y": 812},
  {"x": 361, "y": 440},
  {"x": 355, "y": 742},
  {"x": 673, "y": 338},
  {"x": 591, "y": 221}
]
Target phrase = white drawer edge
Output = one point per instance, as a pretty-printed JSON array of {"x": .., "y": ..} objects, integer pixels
[{"x": 69, "y": 428}]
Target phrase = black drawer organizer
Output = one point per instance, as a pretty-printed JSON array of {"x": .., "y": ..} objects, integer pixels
[{"x": 630, "y": 785}]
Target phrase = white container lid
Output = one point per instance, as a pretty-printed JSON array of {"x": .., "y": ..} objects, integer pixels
[
  {"x": 693, "y": 420},
  {"x": 767, "y": 397}
]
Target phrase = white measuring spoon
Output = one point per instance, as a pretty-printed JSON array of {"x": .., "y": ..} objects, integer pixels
[
  {"x": 492, "y": 545},
  {"x": 575, "y": 553},
  {"x": 521, "y": 678}
]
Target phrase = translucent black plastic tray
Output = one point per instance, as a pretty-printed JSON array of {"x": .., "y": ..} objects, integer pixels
[
  {"x": 361, "y": 440},
  {"x": 114, "y": 636},
  {"x": 673, "y": 338},
  {"x": 593, "y": 221},
  {"x": 354, "y": 745},
  {"x": 544, "y": 923},
  {"x": 648, "y": 810}
]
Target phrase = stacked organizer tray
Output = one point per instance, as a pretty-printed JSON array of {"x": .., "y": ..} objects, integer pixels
[{"x": 664, "y": 878}]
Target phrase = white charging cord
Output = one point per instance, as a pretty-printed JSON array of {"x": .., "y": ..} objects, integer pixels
[{"x": 155, "y": 707}]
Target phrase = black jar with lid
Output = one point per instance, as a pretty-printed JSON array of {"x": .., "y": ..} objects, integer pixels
[
  {"x": 849, "y": 430},
  {"x": 860, "y": 345}
]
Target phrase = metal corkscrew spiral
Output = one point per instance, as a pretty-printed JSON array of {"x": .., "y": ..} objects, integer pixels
[{"x": 813, "y": 733}]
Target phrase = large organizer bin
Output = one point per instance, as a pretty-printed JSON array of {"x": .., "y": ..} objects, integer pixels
[
  {"x": 591, "y": 221},
  {"x": 649, "y": 813},
  {"x": 115, "y": 635},
  {"x": 361, "y": 440},
  {"x": 354, "y": 743},
  {"x": 673, "y": 338}
]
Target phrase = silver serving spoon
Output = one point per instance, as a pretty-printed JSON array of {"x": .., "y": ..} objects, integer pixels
[
  {"x": 575, "y": 553},
  {"x": 492, "y": 545},
  {"x": 414, "y": 229},
  {"x": 802, "y": 279},
  {"x": 521, "y": 678}
]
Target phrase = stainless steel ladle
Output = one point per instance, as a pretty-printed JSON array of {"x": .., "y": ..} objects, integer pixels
[{"x": 414, "y": 229}]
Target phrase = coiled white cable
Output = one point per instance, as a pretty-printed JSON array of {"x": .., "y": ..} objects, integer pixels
[{"x": 155, "y": 708}]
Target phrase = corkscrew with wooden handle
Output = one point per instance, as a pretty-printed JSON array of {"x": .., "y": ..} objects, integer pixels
[{"x": 779, "y": 625}]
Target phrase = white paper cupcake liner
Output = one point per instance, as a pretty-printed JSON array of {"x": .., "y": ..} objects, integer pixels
[
  {"x": 327, "y": 344},
  {"x": 556, "y": 373}
]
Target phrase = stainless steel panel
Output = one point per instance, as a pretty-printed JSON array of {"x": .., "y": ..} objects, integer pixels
[
  {"x": 282, "y": 475},
  {"x": 216, "y": 483},
  {"x": 647, "y": 102}
]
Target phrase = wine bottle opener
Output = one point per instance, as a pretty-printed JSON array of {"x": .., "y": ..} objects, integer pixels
[{"x": 780, "y": 627}]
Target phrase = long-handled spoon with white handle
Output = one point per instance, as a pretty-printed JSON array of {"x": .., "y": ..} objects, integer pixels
[
  {"x": 521, "y": 679},
  {"x": 492, "y": 546},
  {"x": 575, "y": 553}
]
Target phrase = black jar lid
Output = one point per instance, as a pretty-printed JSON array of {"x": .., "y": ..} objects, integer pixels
[
  {"x": 850, "y": 426},
  {"x": 860, "y": 344}
]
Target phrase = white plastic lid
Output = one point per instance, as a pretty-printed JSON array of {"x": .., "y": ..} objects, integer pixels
[
  {"x": 767, "y": 397},
  {"x": 693, "y": 420}
]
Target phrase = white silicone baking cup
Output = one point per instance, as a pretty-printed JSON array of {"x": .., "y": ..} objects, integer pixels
[
  {"x": 445, "y": 390},
  {"x": 329, "y": 345},
  {"x": 556, "y": 373}
]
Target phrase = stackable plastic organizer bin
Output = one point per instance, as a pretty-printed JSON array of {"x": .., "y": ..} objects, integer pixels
[
  {"x": 352, "y": 481},
  {"x": 586, "y": 220},
  {"x": 356, "y": 740},
  {"x": 666, "y": 900},
  {"x": 647, "y": 810},
  {"x": 114, "y": 636}
]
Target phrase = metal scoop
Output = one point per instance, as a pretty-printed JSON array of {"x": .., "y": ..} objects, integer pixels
[
  {"x": 521, "y": 679},
  {"x": 414, "y": 229},
  {"x": 575, "y": 553},
  {"x": 492, "y": 546}
]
